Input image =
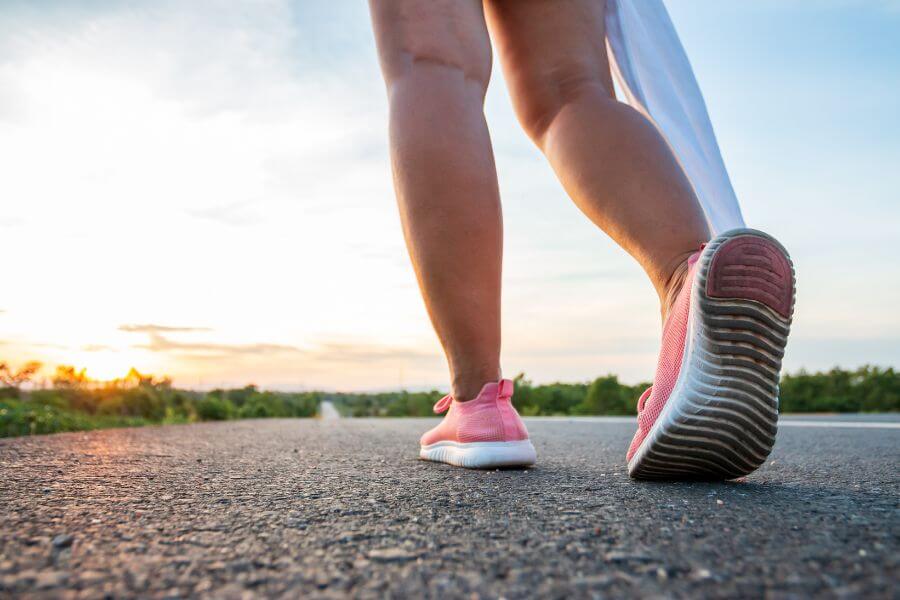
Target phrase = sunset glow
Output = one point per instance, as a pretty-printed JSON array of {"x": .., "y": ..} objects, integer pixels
[{"x": 208, "y": 195}]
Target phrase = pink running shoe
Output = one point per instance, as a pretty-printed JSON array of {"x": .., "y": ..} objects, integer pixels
[
  {"x": 483, "y": 433},
  {"x": 712, "y": 411}
]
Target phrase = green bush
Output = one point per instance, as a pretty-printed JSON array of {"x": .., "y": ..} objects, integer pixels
[
  {"x": 261, "y": 406},
  {"x": 214, "y": 408},
  {"x": 239, "y": 397},
  {"x": 144, "y": 401},
  {"x": 52, "y": 398},
  {"x": 868, "y": 389},
  {"x": 9, "y": 393},
  {"x": 181, "y": 407},
  {"x": 25, "y": 418},
  {"x": 606, "y": 396},
  {"x": 29, "y": 418}
]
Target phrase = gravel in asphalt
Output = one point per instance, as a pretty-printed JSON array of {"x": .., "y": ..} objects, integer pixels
[{"x": 333, "y": 508}]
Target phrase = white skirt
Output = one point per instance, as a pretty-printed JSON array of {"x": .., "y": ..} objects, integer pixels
[{"x": 654, "y": 73}]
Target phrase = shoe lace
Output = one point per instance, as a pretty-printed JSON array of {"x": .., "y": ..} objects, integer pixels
[
  {"x": 643, "y": 399},
  {"x": 443, "y": 404}
]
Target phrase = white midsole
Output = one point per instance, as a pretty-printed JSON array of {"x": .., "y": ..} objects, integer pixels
[{"x": 481, "y": 455}]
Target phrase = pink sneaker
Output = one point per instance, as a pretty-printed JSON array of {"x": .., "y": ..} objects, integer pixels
[
  {"x": 713, "y": 409},
  {"x": 483, "y": 433}
]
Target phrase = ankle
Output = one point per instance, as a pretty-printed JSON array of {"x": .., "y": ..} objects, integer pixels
[
  {"x": 467, "y": 386},
  {"x": 672, "y": 281}
]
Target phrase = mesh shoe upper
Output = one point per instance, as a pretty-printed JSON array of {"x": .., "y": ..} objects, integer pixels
[
  {"x": 668, "y": 366},
  {"x": 490, "y": 417}
]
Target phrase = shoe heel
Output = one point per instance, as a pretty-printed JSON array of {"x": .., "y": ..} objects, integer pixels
[
  {"x": 745, "y": 292},
  {"x": 750, "y": 265},
  {"x": 723, "y": 419}
]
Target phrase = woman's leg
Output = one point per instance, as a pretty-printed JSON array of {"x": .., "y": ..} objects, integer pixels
[
  {"x": 436, "y": 59},
  {"x": 611, "y": 160},
  {"x": 729, "y": 308}
]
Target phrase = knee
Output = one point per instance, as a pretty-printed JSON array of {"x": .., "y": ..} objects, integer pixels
[
  {"x": 446, "y": 40},
  {"x": 541, "y": 94},
  {"x": 457, "y": 66}
]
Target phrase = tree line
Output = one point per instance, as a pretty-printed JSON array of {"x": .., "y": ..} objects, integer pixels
[
  {"x": 867, "y": 389},
  {"x": 71, "y": 401}
]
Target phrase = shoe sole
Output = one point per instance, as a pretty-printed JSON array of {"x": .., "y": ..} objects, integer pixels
[
  {"x": 481, "y": 455},
  {"x": 722, "y": 416}
]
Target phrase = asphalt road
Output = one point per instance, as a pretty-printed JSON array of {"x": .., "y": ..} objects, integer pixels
[{"x": 342, "y": 507}]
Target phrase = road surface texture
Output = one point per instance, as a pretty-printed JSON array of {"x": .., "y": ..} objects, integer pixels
[{"x": 331, "y": 508}]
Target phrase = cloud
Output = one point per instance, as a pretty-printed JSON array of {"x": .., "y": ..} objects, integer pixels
[
  {"x": 47, "y": 345},
  {"x": 96, "y": 348},
  {"x": 325, "y": 353},
  {"x": 157, "y": 342},
  {"x": 160, "y": 343},
  {"x": 344, "y": 352},
  {"x": 154, "y": 329}
]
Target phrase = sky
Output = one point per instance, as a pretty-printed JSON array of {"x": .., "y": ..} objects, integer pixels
[{"x": 202, "y": 189}]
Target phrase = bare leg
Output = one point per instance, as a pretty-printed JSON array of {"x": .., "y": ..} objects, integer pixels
[
  {"x": 611, "y": 160},
  {"x": 436, "y": 59}
]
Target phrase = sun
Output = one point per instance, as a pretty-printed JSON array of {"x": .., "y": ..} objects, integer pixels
[{"x": 107, "y": 365}]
